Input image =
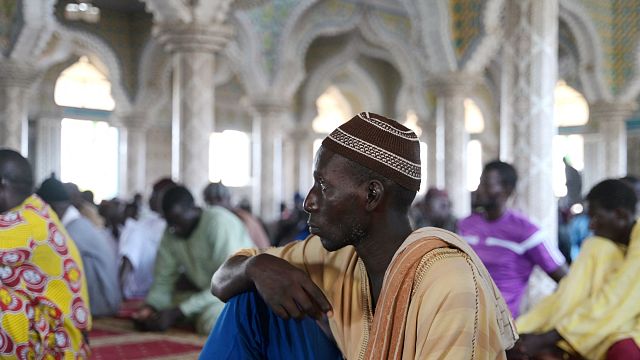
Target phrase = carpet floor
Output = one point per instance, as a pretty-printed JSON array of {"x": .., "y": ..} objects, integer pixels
[{"x": 116, "y": 339}]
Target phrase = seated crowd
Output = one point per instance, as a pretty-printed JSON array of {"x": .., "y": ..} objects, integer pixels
[{"x": 356, "y": 269}]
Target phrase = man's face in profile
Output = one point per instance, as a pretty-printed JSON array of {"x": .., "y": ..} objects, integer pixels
[{"x": 335, "y": 203}]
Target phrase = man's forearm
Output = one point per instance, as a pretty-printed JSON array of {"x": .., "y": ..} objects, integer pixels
[{"x": 231, "y": 278}]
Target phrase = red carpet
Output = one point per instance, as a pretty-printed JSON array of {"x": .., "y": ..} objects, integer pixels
[{"x": 115, "y": 339}]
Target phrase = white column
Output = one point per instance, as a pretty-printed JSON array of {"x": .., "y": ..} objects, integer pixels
[
  {"x": 48, "y": 145},
  {"x": 193, "y": 49},
  {"x": 610, "y": 117},
  {"x": 15, "y": 80},
  {"x": 303, "y": 159},
  {"x": 452, "y": 139},
  {"x": 593, "y": 162},
  {"x": 429, "y": 135},
  {"x": 132, "y": 149},
  {"x": 271, "y": 119},
  {"x": 530, "y": 61}
]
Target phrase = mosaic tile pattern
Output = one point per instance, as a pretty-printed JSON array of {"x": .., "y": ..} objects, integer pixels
[
  {"x": 466, "y": 26},
  {"x": 8, "y": 11},
  {"x": 269, "y": 21},
  {"x": 618, "y": 25}
]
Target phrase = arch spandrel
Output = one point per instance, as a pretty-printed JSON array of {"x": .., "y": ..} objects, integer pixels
[
  {"x": 457, "y": 35},
  {"x": 9, "y": 19},
  {"x": 333, "y": 17},
  {"x": 608, "y": 38}
]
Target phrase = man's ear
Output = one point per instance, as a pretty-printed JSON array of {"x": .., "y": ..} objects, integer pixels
[
  {"x": 375, "y": 194},
  {"x": 623, "y": 215}
]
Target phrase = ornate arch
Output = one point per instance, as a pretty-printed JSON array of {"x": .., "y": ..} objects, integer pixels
[
  {"x": 316, "y": 20},
  {"x": 431, "y": 23},
  {"x": 320, "y": 77},
  {"x": 490, "y": 42},
  {"x": 85, "y": 43},
  {"x": 154, "y": 82},
  {"x": 245, "y": 57},
  {"x": 298, "y": 36},
  {"x": 589, "y": 50},
  {"x": 36, "y": 31}
]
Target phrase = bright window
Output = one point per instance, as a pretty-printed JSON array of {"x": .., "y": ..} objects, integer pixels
[
  {"x": 411, "y": 122},
  {"x": 229, "y": 158},
  {"x": 333, "y": 110},
  {"x": 82, "y": 85},
  {"x": 89, "y": 156},
  {"x": 473, "y": 119},
  {"x": 570, "y": 107},
  {"x": 571, "y": 147},
  {"x": 474, "y": 164},
  {"x": 424, "y": 157}
]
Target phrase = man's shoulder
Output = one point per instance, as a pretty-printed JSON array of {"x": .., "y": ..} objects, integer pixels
[
  {"x": 219, "y": 213},
  {"x": 447, "y": 265},
  {"x": 470, "y": 221}
]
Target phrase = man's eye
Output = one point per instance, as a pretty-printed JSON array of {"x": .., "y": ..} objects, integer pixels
[{"x": 323, "y": 186}]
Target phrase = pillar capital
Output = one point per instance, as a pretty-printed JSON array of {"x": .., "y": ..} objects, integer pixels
[
  {"x": 132, "y": 121},
  {"x": 17, "y": 74},
  {"x": 606, "y": 111},
  {"x": 192, "y": 37},
  {"x": 453, "y": 83},
  {"x": 270, "y": 106}
]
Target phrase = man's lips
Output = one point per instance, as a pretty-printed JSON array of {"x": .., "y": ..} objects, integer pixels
[{"x": 314, "y": 229}]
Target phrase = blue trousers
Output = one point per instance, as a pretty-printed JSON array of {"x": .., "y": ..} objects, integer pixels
[{"x": 248, "y": 329}]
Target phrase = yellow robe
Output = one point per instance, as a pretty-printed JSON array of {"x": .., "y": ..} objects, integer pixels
[
  {"x": 452, "y": 312},
  {"x": 44, "y": 304},
  {"x": 597, "y": 303}
]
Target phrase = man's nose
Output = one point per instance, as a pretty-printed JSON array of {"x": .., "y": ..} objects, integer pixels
[{"x": 310, "y": 204}]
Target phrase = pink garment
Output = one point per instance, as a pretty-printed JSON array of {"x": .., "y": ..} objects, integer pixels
[{"x": 626, "y": 349}]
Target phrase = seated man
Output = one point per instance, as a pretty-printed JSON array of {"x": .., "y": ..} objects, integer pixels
[
  {"x": 216, "y": 194},
  {"x": 139, "y": 243},
  {"x": 377, "y": 288},
  {"x": 44, "y": 306},
  {"x": 611, "y": 332},
  {"x": 434, "y": 210},
  {"x": 508, "y": 243},
  {"x": 98, "y": 256},
  {"x": 195, "y": 243}
]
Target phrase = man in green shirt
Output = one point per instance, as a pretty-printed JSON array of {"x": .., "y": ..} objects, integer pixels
[{"x": 195, "y": 243}]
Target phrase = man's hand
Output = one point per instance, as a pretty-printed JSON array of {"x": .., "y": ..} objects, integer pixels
[
  {"x": 288, "y": 290},
  {"x": 144, "y": 313},
  {"x": 540, "y": 346},
  {"x": 148, "y": 319}
]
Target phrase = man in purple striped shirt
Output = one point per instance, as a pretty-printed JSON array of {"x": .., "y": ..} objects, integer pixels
[{"x": 508, "y": 243}]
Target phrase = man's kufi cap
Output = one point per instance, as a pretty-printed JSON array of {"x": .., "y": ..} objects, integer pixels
[
  {"x": 381, "y": 145},
  {"x": 52, "y": 190}
]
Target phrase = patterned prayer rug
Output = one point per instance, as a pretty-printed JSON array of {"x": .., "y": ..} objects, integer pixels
[{"x": 116, "y": 339}]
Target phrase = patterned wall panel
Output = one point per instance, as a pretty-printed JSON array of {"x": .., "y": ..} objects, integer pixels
[
  {"x": 8, "y": 20},
  {"x": 626, "y": 33},
  {"x": 398, "y": 25},
  {"x": 618, "y": 24},
  {"x": 466, "y": 26},
  {"x": 271, "y": 19}
]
